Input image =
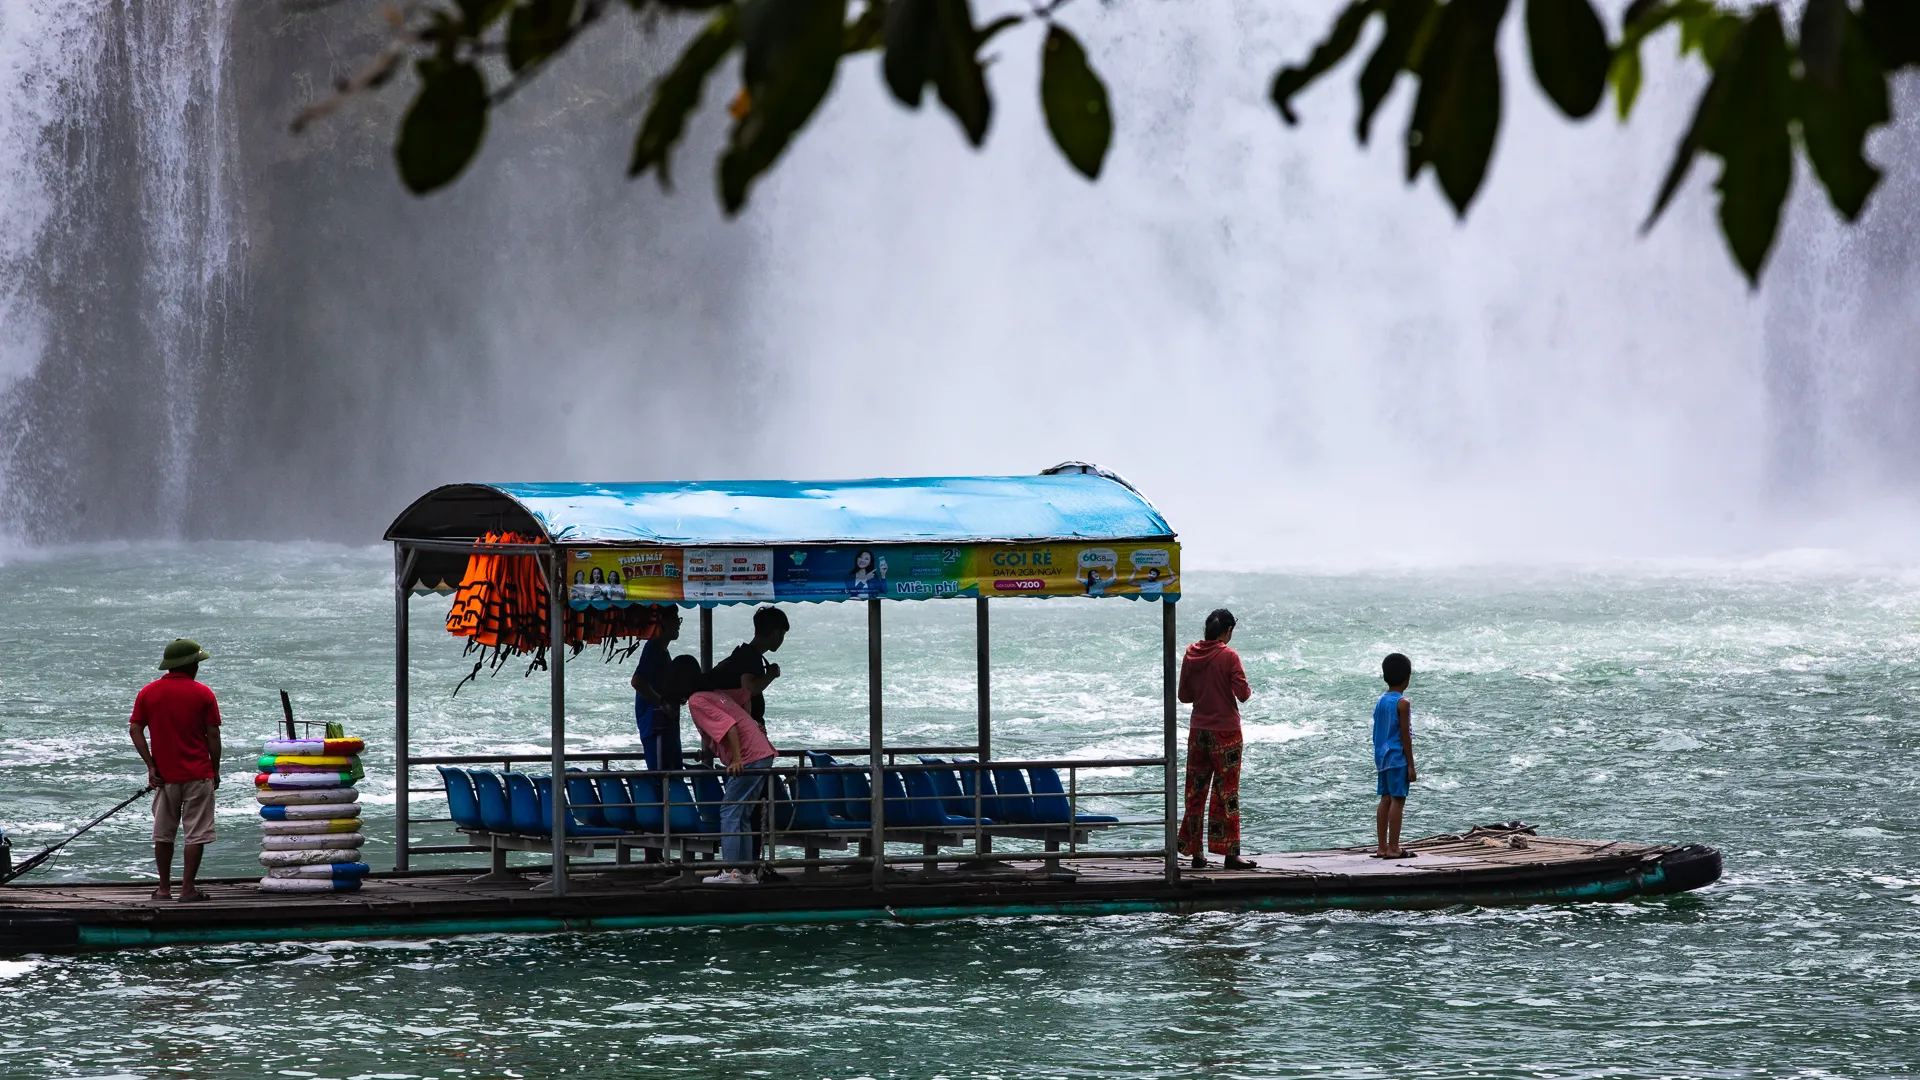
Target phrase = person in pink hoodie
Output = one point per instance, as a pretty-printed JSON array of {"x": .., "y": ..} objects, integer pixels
[{"x": 1214, "y": 683}]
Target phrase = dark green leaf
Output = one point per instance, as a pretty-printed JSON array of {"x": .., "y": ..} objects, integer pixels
[
  {"x": 1637, "y": 11},
  {"x": 1326, "y": 55},
  {"x": 1075, "y": 101},
  {"x": 1893, "y": 28},
  {"x": 1570, "y": 53},
  {"x": 443, "y": 127},
  {"x": 905, "y": 65},
  {"x": 868, "y": 32},
  {"x": 1457, "y": 115},
  {"x": 1706, "y": 30},
  {"x": 1742, "y": 118},
  {"x": 935, "y": 41},
  {"x": 536, "y": 30},
  {"x": 992, "y": 30},
  {"x": 477, "y": 15},
  {"x": 792, "y": 51},
  {"x": 1838, "y": 109},
  {"x": 1409, "y": 23},
  {"x": 1823, "y": 31},
  {"x": 678, "y": 94},
  {"x": 955, "y": 63},
  {"x": 1625, "y": 75}
]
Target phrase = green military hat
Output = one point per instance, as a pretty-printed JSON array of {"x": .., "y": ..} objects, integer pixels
[{"x": 181, "y": 652}]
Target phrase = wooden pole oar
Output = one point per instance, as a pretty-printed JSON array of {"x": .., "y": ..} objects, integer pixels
[
  {"x": 48, "y": 853},
  {"x": 286, "y": 707}
]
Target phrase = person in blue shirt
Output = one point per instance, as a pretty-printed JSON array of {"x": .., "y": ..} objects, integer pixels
[
  {"x": 1393, "y": 756},
  {"x": 655, "y": 714}
]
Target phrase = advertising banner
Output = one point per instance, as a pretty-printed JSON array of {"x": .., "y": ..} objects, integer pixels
[{"x": 604, "y": 577}]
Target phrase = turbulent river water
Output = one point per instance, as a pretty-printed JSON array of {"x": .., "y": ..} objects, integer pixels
[{"x": 1761, "y": 707}]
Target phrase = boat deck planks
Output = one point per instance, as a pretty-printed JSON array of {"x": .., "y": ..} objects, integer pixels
[{"x": 1449, "y": 869}]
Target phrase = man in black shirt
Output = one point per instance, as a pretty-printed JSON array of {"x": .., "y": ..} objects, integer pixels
[{"x": 769, "y": 631}]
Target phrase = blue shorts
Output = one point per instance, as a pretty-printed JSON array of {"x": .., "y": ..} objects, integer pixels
[{"x": 1393, "y": 782}]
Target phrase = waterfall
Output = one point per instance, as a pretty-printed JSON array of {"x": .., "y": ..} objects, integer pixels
[
  {"x": 209, "y": 327},
  {"x": 119, "y": 256}
]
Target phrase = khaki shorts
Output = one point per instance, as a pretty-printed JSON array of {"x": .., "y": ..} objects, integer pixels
[{"x": 187, "y": 807}]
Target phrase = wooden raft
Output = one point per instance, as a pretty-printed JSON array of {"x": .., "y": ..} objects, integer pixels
[{"x": 1452, "y": 869}]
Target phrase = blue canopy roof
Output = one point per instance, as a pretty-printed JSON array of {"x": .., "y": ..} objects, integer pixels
[{"x": 1070, "y": 502}]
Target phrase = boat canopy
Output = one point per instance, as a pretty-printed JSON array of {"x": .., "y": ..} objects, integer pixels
[{"x": 1072, "y": 530}]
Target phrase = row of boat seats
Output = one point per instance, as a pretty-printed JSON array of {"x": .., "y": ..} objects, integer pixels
[
  {"x": 518, "y": 803},
  {"x": 937, "y": 798},
  {"x": 515, "y": 802}
]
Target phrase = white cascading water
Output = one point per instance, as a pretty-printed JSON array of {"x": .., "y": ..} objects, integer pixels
[
  {"x": 177, "y": 55},
  {"x": 48, "y": 49},
  {"x": 121, "y": 107},
  {"x": 1300, "y": 357}
]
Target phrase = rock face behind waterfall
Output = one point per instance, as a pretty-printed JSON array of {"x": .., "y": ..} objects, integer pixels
[{"x": 247, "y": 333}]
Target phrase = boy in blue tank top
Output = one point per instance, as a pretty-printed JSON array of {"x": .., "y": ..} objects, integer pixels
[{"x": 1392, "y": 756}]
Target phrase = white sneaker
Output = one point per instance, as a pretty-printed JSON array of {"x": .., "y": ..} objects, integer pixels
[{"x": 725, "y": 877}]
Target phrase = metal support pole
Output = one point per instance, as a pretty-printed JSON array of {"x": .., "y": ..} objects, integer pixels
[
  {"x": 875, "y": 763},
  {"x": 984, "y": 724},
  {"x": 557, "y": 735},
  {"x": 402, "y": 562},
  {"x": 983, "y": 733},
  {"x": 1170, "y": 738},
  {"x": 706, "y": 639}
]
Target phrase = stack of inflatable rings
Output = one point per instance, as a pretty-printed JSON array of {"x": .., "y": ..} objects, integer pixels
[{"x": 310, "y": 815}]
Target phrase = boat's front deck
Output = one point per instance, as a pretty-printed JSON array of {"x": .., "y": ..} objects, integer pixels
[{"x": 1451, "y": 869}]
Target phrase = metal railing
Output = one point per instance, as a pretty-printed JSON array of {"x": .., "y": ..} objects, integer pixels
[{"x": 980, "y": 834}]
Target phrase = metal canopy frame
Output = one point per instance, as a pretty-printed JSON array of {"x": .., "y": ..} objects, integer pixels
[{"x": 552, "y": 557}]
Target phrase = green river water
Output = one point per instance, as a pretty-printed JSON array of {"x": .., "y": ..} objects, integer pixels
[{"x": 1760, "y": 707}]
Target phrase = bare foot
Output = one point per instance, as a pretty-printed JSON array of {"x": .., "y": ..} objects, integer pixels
[{"x": 191, "y": 895}]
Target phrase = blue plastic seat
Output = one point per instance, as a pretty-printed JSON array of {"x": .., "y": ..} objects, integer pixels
[
  {"x": 524, "y": 802},
  {"x": 955, "y": 798},
  {"x": 925, "y": 806},
  {"x": 711, "y": 794},
  {"x": 1050, "y": 803},
  {"x": 982, "y": 778},
  {"x": 463, "y": 806},
  {"x": 899, "y": 811},
  {"x": 1012, "y": 804},
  {"x": 543, "y": 785},
  {"x": 649, "y": 813},
  {"x": 583, "y": 800},
  {"x": 858, "y": 807},
  {"x": 685, "y": 817},
  {"x": 495, "y": 814},
  {"x": 829, "y": 786},
  {"x": 809, "y": 812},
  {"x": 613, "y": 791}
]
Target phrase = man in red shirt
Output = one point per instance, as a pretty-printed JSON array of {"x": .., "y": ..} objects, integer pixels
[
  {"x": 1214, "y": 683},
  {"x": 183, "y": 761}
]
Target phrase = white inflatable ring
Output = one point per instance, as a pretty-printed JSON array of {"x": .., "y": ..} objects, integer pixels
[
  {"x": 312, "y": 841},
  {"x": 277, "y": 781},
  {"x": 311, "y": 826},
  {"x": 329, "y": 747},
  {"x": 305, "y": 811},
  {"x": 322, "y": 870},
  {"x": 309, "y": 856},
  {"x": 310, "y": 796},
  {"x": 308, "y": 885}
]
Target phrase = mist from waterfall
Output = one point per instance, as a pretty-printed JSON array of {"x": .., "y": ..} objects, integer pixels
[{"x": 209, "y": 327}]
